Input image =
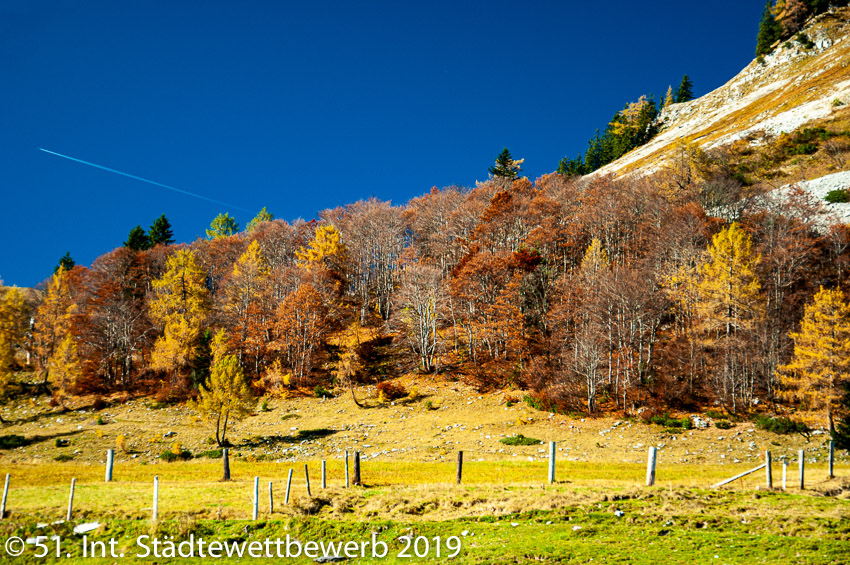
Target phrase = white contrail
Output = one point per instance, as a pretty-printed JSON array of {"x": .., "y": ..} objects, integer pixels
[{"x": 143, "y": 180}]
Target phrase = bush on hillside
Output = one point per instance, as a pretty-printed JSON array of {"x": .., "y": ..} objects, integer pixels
[
  {"x": 837, "y": 196},
  {"x": 781, "y": 425},
  {"x": 520, "y": 440}
]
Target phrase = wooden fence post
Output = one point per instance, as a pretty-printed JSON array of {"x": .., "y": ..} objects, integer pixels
[
  {"x": 650, "y": 467},
  {"x": 356, "y": 481},
  {"x": 256, "y": 508},
  {"x": 768, "y": 471},
  {"x": 459, "y": 466},
  {"x": 784, "y": 474},
  {"x": 226, "y": 460},
  {"x": 5, "y": 494},
  {"x": 155, "y": 498},
  {"x": 271, "y": 499},
  {"x": 346, "y": 468},
  {"x": 288, "y": 486},
  {"x": 551, "y": 462},
  {"x": 110, "y": 459},
  {"x": 324, "y": 475},
  {"x": 831, "y": 459},
  {"x": 802, "y": 457},
  {"x": 71, "y": 501},
  {"x": 307, "y": 478}
]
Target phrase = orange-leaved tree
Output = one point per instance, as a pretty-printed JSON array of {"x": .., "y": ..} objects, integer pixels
[
  {"x": 13, "y": 318},
  {"x": 55, "y": 346},
  {"x": 179, "y": 307},
  {"x": 729, "y": 306},
  {"x": 821, "y": 363}
]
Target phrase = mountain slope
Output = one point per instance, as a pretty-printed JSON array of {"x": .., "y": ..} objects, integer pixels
[{"x": 793, "y": 86}]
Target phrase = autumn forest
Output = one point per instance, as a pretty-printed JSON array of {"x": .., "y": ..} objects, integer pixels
[{"x": 596, "y": 294}]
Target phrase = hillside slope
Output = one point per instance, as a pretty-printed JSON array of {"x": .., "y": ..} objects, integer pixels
[{"x": 793, "y": 86}]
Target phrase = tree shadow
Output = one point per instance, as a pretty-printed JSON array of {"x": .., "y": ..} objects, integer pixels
[
  {"x": 13, "y": 440},
  {"x": 301, "y": 435}
]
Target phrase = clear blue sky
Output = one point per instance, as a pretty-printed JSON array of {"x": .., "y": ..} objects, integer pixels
[{"x": 304, "y": 106}]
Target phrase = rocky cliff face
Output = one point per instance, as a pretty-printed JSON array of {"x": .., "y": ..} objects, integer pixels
[{"x": 791, "y": 87}]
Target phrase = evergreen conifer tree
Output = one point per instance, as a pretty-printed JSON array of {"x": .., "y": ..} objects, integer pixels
[
  {"x": 262, "y": 216},
  {"x": 769, "y": 31},
  {"x": 160, "y": 232},
  {"x": 505, "y": 166},
  {"x": 137, "y": 240},
  {"x": 685, "y": 91},
  {"x": 222, "y": 225},
  {"x": 66, "y": 263}
]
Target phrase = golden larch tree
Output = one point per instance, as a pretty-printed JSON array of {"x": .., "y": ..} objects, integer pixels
[
  {"x": 180, "y": 308},
  {"x": 13, "y": 317},
  {"x": 821, "y": 363},
  {"x": 325, "y": 247},
  {"x": 227, "y": 396},
  {"x": 728, "y": 306},
  {"x": 55, "y": 347}
]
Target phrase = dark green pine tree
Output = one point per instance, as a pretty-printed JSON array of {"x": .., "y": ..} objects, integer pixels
[
  {"x": 137, "y": 240},
  {"x": 160, "y": 232},
  {"x": 769, "y": 31},
  {"x": 505, "y": 166},
  {"x": 571, "y": 167},
  {"x": 66, "y": 262},
  {"x": 685, "y": 91}
]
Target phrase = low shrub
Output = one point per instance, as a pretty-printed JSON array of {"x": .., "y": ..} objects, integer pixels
[
  {"x": 289, "y": 416},
  {"x": 12, "y": 441},
  {"x": 210, "y": 454},
  {"x": 61, "y": 442},
  {"x": 390, "y": 391},
  {"x": 169, "y": 456},
  {"x": 520, "y": 439},
  {"x": 430, "y": 405},
  {"x": 668, "y": 422},
  {"x": 724, "y": 425},
  {"x": 100, "y": 421},
  {"x": 62, "y": 457},
  {"x": 837, "y": 196},
  {"x": 321, "y": 392},
  {"x": 264, "y": 406},
  {"x": 804, "y": 149},
  {"x": 781, "y": 425}
]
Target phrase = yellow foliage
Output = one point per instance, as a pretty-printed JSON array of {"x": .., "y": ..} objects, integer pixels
[
  {"x": 413, "y": 394},
  {"x": 12, "y": 331},
  {"x": 121, "y": 442},
  {"x": 56, "y": 352},
  {"x": 153, "y": 439},
  {"x": 381, "y": 397},
  {"x": 325, "y": 246},
  {"x": 274, "y": 380},
  {"x": 98, "y": 433},
  {"x": 728, "y": 284},
  {"x": 821, "y": 363},
  {"x": 176, "y": 448},
  {"x": 180, "y": 309},
  {"x": 251, "y": 262},
  {"x": 227, "y": 396}
]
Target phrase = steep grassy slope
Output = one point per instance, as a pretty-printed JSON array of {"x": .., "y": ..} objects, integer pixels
[{"x": 793, "y": 86}]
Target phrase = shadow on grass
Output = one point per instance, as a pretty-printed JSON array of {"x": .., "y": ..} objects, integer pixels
[
  {"x": 12, "y": 441},
  {"x": 302, "y": 435}
]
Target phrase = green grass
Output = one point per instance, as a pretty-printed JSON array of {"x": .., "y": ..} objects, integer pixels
[
  {"x": 678, "y": 521},
  {"x": 694, "y": 526}
]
